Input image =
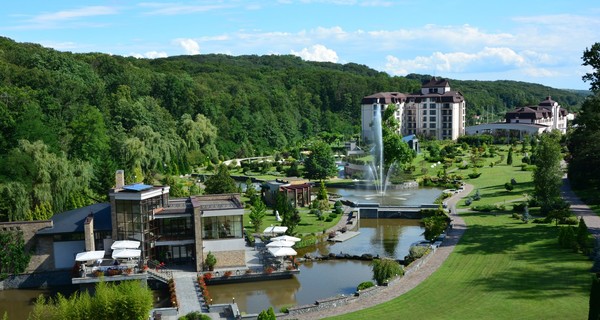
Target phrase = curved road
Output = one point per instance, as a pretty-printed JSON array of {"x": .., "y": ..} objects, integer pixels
[{"x": 409, "y": 281}]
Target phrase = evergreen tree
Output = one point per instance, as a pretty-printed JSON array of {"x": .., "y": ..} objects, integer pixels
[
  {"x": 220, "y": 182},
  {"x": 257, "y": 214},
  {"x": 509, "y": 157}
]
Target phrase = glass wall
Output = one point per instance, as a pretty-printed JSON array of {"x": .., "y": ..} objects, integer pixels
[
  {"x": 223, "y": 227},
  {"x": 175, "y": 229}
]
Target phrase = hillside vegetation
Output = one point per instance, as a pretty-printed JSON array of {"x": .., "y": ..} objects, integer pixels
[{"x": 68, "y": 121}]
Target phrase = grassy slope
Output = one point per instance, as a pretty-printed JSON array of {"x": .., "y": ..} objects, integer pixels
[{"x": 501, "y": 269}]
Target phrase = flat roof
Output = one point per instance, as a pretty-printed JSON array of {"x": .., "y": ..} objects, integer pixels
[{"x": 219, "y": 202}]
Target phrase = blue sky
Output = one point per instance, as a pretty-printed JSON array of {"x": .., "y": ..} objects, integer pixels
[{"x": 534, "y": 41}]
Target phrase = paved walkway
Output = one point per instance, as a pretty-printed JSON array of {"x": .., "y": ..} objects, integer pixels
[
  {"x": 412, "y": 279},
  {"x": 580, "y": 209},
  {"x": 188, "y": 291}
]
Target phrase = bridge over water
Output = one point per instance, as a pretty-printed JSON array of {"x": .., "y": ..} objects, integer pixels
[{"x": 375, "y": 210}]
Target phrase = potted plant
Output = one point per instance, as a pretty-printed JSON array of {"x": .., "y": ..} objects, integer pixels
[
  {"x": 210, "y": 261},
  {"x": 227, "y": 274}
]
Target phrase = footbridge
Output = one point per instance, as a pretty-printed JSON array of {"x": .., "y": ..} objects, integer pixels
[{"x": 375, "y": 210}]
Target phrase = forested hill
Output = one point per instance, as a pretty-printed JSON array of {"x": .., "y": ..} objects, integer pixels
[{"x": 70, "y": 120}]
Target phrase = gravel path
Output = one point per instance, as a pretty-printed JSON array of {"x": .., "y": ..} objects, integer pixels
[{"x": 412, "y": 279}]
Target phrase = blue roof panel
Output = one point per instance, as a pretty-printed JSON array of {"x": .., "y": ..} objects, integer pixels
[{"x": 137, "y": 187}]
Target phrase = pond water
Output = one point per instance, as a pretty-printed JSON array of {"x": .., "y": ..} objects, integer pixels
[
  {"x": 392, "y": 197},
  {"x": 323, "y": 279}
]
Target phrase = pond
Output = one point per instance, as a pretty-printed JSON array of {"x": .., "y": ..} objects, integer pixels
[{"x": 323, "y": 279}]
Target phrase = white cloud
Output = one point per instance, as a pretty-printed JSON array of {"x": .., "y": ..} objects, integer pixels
[
  {"x": 189, "y": 45},
  {"x": 150, "y": 55},
  {"x": 486, "y": 60},
  {"x": 74, "y": 18},
  {"x": 74, "y": 14},
  {"x": 317, "y": 52},
  {"x": 169, "y": 9}
]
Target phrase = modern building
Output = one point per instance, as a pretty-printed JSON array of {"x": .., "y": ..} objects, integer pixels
[
  {"x": 547, "y": 116},
  {"x": 174, "y": 231},
  {"x": 435, "y": 111}
]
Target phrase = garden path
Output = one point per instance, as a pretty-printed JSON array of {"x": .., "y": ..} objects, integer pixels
[{"x": 580, "y": 209}]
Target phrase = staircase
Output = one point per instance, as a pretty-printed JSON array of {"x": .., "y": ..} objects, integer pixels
[{"x": 162, "y": 275}]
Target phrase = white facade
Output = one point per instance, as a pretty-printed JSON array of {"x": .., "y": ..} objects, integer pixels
[{"x": 435, "y": 111}]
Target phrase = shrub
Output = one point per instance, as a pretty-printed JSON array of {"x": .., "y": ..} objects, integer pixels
[
  {"x": 210, "y": 261},
  {"x": 517, "y": 216},
  {"x": 196, "y": 315},
  {"x": 519, "y": 207},
  {"x": 416, "y": 252},
  {"x": 385, "y": 269},
  {"x": 508, "y": 186},
  {"x": 485, "y": 208},
  {"x": 365, "y": 285},
  {"x": 571, "y": 220},
  {"x": 434, "y": 226},
  {"x": 328, "y": 219}
]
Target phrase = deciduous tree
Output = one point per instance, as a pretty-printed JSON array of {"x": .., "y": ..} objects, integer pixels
[
  {"x": 547, "y": 175},
  {"x": 319, "y": 165}
]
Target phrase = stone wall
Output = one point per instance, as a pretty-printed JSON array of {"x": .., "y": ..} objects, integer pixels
[{"x": 39, "y": 247}]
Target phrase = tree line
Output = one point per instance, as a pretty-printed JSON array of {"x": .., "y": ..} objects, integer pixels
[{"x": 68, "y": 121}]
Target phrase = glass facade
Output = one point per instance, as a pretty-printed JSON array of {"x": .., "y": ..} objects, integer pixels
[
  {"x": 133, "y": 221},
  {"x": 223, "y": 227},
  {"x": 173, "y": 229}
]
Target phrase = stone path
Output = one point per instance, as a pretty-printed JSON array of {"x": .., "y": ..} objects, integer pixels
[{"x": 412, "y": 279}]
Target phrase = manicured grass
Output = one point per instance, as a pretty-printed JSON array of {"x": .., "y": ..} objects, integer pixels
[
  {"x": 501, "y": 269},
  {"x": 308, "y": 223}
]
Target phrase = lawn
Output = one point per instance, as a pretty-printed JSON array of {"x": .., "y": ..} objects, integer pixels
[
  {"x": 501, "y": 268},
  {"x": 308, "y": 223}
]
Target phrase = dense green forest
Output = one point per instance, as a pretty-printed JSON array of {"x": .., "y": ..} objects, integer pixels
[{"x": 68, "y": 121}]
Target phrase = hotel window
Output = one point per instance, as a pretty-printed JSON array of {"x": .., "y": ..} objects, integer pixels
[
  {"x": 432, "y": 119},
  {"x": 432, "y": 125},
  {"x": 432, "y": 105},
  {"x": 424, "y": 112},
  {"x": 432, "y": 112},
  {"x": 424, "y": 119}
]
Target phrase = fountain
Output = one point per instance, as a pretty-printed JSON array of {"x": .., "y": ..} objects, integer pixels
[{"x": 377, "y": 170}]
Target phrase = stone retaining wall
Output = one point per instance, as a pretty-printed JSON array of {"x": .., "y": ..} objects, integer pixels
[{"x": 37, "y": 280}]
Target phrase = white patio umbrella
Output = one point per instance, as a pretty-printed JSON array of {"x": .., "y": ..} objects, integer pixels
[
  {"x": 125, "y": 244},
  {"x": 282, "y": 251},
  {"x": 126, "y": 253},
  {"x": 286, "y": 238},
  {"x": 89, "y": 256},
  {"x": 275, "y": 229},
  {"x": 278, "y": 244}
]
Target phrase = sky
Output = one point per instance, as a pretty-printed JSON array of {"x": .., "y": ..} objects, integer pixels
[{"x": 534, "y": 40}]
